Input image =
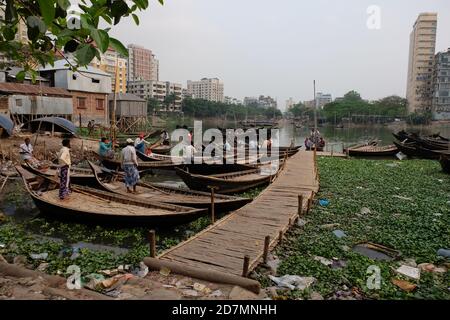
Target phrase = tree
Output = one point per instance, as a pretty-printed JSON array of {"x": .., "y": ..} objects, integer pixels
[
  {"x": 169, "y": 100},
  {"x": 56, "y": 25},
  {"x": 352, "y": 96},
  {"x": 153, "y": 105}
]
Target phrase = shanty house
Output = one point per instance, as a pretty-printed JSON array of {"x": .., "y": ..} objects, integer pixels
[{"x": 89, "y": 88}]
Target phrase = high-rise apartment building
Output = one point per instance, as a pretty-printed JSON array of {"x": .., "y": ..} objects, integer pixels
[
  {"x": 108, "y": 63},
  {"x": 422, "y": 49},
  {"x": 208, "y": 89},
  {"x": 441, "y": 80},
  {"x": 142, "y": 64},
  {"x": 323, "y": 99}
]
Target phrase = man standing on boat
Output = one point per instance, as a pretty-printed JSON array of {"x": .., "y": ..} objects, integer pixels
[
  {"x": 165, "y": 138},
  {"x": 64, "y": 162},
  {"x": 130, "y": 165}
]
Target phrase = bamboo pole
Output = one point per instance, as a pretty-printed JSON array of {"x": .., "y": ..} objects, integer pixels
[
  {"x": 300, "y": 204},
  {"x": 266, "y": 248},
  {"x": 280, "y": 236},
  {"x": 152, "y": 235},
  {"x": 45, "y": 151},
  {"x": 213, "y": 216},
  {"x": 309, "y": 205},
  {"x": 246, "y": 266}
]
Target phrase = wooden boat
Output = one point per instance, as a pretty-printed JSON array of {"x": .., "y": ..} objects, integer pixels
[
  {"x": 227, "y": 183},
  {"x": 93, "y": 204},
  {"x": 144, "y": 167},
  {"x": 444, "y": 160},
  {"x": 408, "y": 149},
  {"x": 77, "y": 175},
  {"x": 165, "y": 194},
  {"x": 373, "y": 151}
]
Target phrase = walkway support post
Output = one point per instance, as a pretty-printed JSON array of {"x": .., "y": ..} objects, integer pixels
[
  {"x": 266, "y": 249},
  {"x": 300, "y": 204},
  {"x": 213, "y": 216},
  {"x": 152, "y": 237},
  {"x": 246, "y": 266}
]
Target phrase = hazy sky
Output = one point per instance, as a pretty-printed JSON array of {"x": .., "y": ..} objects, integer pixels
[{"x": 278, "y": 47}]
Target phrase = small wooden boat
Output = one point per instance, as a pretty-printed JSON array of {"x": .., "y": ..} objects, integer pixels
[
  {"x": 227, "y": 183},
  {"x": 115, "y": 164},
  {"x": 445, "y": 162},
  {"x": 165, "y": 194},
  {"x": 408, "y": 149},
  {"x": 92, "y": 204},
  {"x": 373, "y": 151},
  {"x": 77, "y": 175}
]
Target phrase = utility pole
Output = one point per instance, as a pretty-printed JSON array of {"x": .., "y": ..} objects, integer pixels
[{"x": 315, "y": 107}]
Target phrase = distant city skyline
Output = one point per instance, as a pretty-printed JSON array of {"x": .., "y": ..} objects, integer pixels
[{"x": 278, "y": 48}]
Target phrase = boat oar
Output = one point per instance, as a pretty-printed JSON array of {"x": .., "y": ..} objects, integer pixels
[
  {"x": 155, "y": 188},
  {"x": 4, "y": 183}
]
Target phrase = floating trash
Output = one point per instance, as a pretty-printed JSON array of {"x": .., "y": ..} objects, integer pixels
[{"x": 324, "y": 202}]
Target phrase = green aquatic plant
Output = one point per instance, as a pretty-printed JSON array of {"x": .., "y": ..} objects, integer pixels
[{"x": 409, "y": 211}]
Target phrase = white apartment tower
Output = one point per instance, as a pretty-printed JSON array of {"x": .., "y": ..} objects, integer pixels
[
  {"x": 422, "y": 49},
  {"x": 208, "y": 89}
]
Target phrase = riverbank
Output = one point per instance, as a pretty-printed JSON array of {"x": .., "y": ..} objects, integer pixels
[{"x": 404, "y": 206}]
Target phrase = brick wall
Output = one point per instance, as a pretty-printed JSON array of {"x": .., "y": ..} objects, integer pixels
[{"x": 91, "y": 106}]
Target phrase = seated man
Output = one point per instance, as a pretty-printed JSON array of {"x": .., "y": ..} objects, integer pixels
[
  {"x": 140, "y": 143},
  {"x": 105, "y": 148},
  {"x": 26, "y": 153}
]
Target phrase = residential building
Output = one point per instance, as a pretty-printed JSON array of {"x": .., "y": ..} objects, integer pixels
[
  {"x": 25, "y": 102},
  {"x": 158, "y": 90},
  {"x": 109, "y": 62},
  {"x": 207, "y": 88},
  {"x": 89, "y": 87},
  {"x": 21, "y": 35},
  {"x": 231, "y": 100},
  {"x": 422, "y": 48},
  {"x": 267, "y": 102},
  {"x": 290, "y": 103},
  {"x": 142, "y": 64},
  {"x": 9, "y": 75},
  {"x": 323, "y": 99},
  {"x": 310, "y": 104},
  {"x": 441, "y": 80},
  {"x": 250, "y": 101}
]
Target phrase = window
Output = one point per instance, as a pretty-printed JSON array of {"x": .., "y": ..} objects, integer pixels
[
  {"x": 18, "y": 102},
  {"x": 81, "y": 103},
  {"x": 100, "y": 104},
  {"x": 95, "y": 80}
]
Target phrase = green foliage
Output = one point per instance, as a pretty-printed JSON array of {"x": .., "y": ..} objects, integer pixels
[
  {"x": 417, "y": 224},
  {"x": 52, "y": 28},
  {"x": 352, "y": 104},
  {"x": 205, "y": 108},
  {"x": 418, "y": 118}
]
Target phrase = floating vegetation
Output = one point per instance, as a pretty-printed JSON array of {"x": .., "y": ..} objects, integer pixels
[{"x": 409, "y": 212}]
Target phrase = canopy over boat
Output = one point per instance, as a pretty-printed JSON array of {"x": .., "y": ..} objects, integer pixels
[
  {"x": 6, "y": 124},
  {"x": 59, "y": 124}
]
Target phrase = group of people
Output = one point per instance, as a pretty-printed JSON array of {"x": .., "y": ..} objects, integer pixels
[{"x": 315, "y": 140}]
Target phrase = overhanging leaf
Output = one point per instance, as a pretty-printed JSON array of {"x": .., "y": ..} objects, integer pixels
[
  {"x": 135, "y": 18},
  {"x": 84, "y": 54},
  {"x": 118, "y": 46},
  {"x": 101, "y": 38},
  {"x": 47, "y": 10}
]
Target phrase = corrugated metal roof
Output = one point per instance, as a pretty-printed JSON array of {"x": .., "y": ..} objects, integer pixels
[
  {"x": 61, "y": 122},
  {"x": 11, "y": 87},
  {"x": 7, "y": 124},
  {"x": 126, "y": 97}
]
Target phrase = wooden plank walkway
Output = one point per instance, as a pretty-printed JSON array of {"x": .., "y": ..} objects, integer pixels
[{"x": 222, "y": 246}]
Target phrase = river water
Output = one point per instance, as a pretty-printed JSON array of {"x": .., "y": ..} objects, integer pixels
[{"x": 16, "y": 203}]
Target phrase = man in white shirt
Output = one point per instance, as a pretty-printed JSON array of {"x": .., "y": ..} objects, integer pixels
[
  {"x": 26, "y": 153},
  {"x": 130, "y": 165},
  {"x": 189, "y": 153}
]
